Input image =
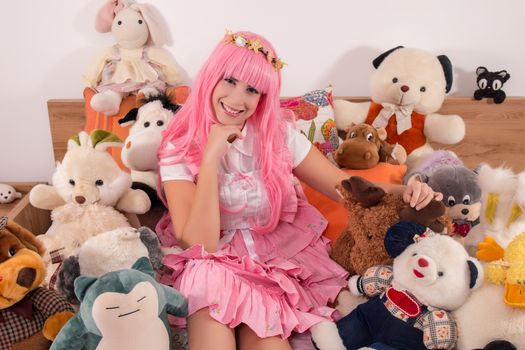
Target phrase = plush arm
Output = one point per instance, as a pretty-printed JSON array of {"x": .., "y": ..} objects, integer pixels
[
  {"x": 45, "y": 197},
  {"x": 177, "y": 305},
  {"x": 347, "y": 112},
  {"x": 93, "y": 74},
  {"x": 168, "y": 65},
  {"x": 134, "y": 201},
  {"x": 446, "y": 129},
  {"x": 439, "y": 329},
  {"x": 374, "y": 281},
  {"x": 72, "y": 336}
]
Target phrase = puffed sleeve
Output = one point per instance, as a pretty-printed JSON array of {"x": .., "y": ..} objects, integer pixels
[
  {"x": 178, "y": 171},
  {"x": 298, "y": 145}
]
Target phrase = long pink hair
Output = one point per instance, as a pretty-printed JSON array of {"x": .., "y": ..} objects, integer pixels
[{"x": 188, "y": 131}]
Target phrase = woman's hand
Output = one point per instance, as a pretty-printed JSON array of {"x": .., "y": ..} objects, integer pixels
[
  {"x": 219, "y": 139},
  {"x": 419, "y": 194}
]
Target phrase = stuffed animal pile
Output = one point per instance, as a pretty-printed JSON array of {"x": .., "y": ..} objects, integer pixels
[
  {"x": 407, "y": 90},
  {"x": 88, "y": 189},
  {"x": 30, "y": 316},
  {"x": 410, "y": 302}
]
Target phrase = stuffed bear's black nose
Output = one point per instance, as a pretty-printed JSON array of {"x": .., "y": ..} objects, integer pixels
[
  {"x": 26, "y": 277},
  {"x": 464, "y": 211}
]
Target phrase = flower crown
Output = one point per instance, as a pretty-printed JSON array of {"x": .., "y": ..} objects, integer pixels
[{"x": 254, "y": 45}]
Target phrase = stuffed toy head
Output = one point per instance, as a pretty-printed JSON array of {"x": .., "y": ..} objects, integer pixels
[
  {"x": 490, "y": 84},
  {"x": 8, "y": 194},
  {"x": 118, "y": 304},
  {"x": 88, "y": 175},
  {"x": 371, "y": 212},
  {"x": 436, "y": 269},
  {"x": 364, "y": 146},
  {"x": 30, "y": 316},
  {"x": 411, "y": 77},
  {"x": 109, "y": 251},
  {"x": 21, "y": 266},
  {"x": 133, "y": 24}
]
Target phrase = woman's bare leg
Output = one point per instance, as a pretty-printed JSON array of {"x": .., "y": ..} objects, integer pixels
[
  {"x": 248, "y": 340},
  {"x": 205, "y": 333}
]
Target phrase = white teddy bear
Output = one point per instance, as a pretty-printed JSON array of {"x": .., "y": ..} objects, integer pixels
[
  {"x": 407, "y": 90},
  {"x": 8, "y": 194},
  {"x": 410, "y": 302},
  {"x": 87, "y": 187}
]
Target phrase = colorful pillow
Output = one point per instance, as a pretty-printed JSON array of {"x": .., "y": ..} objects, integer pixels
[
  {"x": 314, "y": 117},
  {"x": 336, "y": 213}
]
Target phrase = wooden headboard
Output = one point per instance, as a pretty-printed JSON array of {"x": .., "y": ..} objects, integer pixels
[{"x": 495, "y": 133}]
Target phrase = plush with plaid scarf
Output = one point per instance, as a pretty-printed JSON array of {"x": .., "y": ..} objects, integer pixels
[{"x": 410, "y": 303}]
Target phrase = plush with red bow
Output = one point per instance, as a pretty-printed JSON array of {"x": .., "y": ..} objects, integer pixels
[
  {"x": 410, "y": 302},
  {"x": 30, "y": 316}
]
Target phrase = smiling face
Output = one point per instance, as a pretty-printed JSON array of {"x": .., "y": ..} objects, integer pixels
[{"x": 234, "y": 101}]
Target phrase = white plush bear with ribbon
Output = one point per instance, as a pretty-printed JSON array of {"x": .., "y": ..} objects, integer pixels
[
  {"x": 407, "y": 90},
  {"x": 137, "y": 62}
]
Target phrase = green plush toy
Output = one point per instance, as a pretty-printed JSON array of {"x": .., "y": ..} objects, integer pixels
[{"x": 125, "y": 309}]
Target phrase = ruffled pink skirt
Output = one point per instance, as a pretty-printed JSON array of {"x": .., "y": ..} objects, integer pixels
[{"x": 287, "y": 289}]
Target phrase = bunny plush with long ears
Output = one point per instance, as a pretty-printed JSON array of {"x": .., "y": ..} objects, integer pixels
[{"x": 137, "y": 62}]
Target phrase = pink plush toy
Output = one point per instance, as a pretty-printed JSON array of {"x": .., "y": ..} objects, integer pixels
[{"x": 136, "y": 63}]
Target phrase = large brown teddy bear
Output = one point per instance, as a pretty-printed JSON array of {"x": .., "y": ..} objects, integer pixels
[
  {"x": 364, "y": 146},
  {"x": 371, "y": 212},
  {"x": 30, "y": 316}
]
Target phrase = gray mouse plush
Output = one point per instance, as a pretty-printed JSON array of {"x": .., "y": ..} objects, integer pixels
[{"x": 461, "y": 195}]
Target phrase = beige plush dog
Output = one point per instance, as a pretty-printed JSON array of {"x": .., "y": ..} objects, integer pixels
[{"x": 89, "y": 189}]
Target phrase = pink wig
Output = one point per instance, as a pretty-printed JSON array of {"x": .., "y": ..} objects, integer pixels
[{"x": 188, "y": 132}]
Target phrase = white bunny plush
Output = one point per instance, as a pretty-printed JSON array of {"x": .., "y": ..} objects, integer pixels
[{"x": 137, "y": 62}]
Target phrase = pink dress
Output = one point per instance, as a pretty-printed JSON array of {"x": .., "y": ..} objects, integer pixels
[{"x": 276, "y": 283}]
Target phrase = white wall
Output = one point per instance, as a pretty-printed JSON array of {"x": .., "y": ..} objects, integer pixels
[{"x": 46, "y": 46}]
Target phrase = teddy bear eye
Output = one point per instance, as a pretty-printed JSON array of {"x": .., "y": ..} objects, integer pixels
[
  {"x": 414, "y": 254},
  {"x": 119, "y": 23},
  {"x": 440, "y": 274},
  {"x": 423, "y": 89},
  {"x": 160, "y": 123},
  {"x": 99, "y": 182},
  {"x": 9, "y": 192},
  {"x": 146, "y": 124},
  {"x": 466, "y": 200},
  {"x": 369, "y": 136},
  {"x": 395, "y": 80},
  {"x": 353, "y": 135},
  {"x": 451, "y": 201},
  {"x": 11, "y": 252},
  {"x": 72, "y": 182},
  {"x": 140, "y": 21},
  {"x": 496, "y": 85}
]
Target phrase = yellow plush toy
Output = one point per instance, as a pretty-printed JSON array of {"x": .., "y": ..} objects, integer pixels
[{"x": 506, "y": 267}]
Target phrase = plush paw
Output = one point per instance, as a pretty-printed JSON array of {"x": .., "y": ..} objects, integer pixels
[
  {"x": 54, "y": 324},
  {"x": 325, "y": 335},
  {"x": 489, "y": 250},
  {"x": 364, "y": 191},
  {"x": 107, "y": 102}
]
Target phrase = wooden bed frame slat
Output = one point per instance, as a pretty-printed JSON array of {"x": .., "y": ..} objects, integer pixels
[{"x": 495, "y": 133}]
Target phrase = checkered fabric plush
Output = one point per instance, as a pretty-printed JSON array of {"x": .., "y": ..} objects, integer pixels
[
  {"x": 15, "y": 327},
  {"x": 375, "y": 280},
  {"x": 439, "y": 329}
]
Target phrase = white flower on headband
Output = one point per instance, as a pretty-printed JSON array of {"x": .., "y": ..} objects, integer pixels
[{"x": 240, "y": 41}]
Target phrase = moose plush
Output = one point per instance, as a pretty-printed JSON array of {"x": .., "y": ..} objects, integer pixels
[
  {"x": 371, "y": 212},
  {"x": 364, "y": 146}
]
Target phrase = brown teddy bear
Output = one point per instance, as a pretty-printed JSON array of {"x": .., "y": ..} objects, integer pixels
[
  {"x": 364, "y": 146},
  {"x": 371, "y": 212},
  {"x": 30, "y": 316}
]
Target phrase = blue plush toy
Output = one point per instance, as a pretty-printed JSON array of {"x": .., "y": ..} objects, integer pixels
[{"x": 125, "y": 309}]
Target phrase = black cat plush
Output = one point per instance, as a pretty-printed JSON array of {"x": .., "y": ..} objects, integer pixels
[{"x": 490, "y": 84}]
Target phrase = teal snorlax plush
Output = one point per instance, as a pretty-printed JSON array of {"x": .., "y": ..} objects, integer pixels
[{"x": 125, "y": 309}]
